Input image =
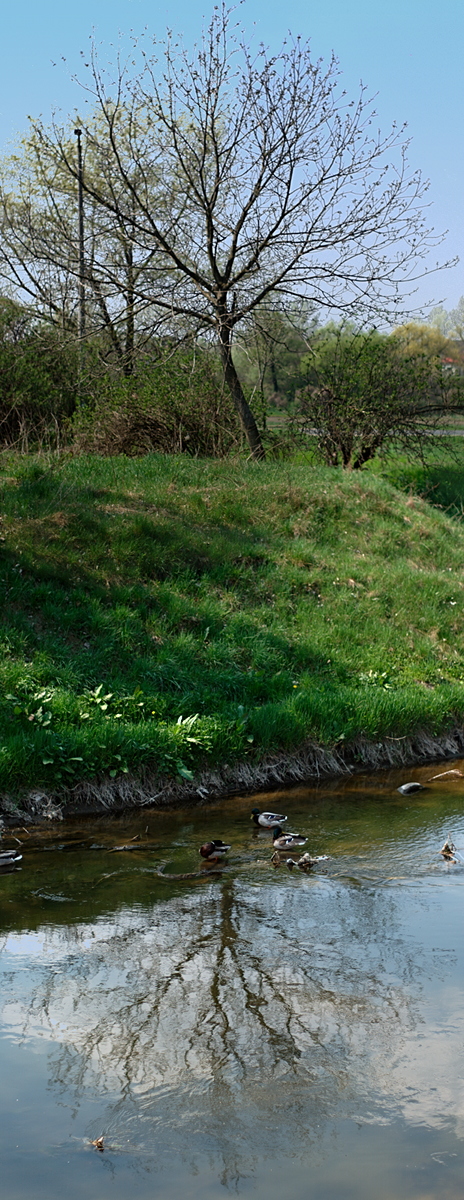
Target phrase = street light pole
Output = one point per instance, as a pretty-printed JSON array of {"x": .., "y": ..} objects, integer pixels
[{"x": 80, "y": 205}]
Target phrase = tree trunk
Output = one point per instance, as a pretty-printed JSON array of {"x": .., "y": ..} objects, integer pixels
[
  {"x": 235, "y": 388},
  {"x": 130, "y": 322},
  {"x": 272, "y": 368}
]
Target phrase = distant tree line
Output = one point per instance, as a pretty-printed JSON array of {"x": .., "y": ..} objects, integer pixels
[{"x": 450, "y": 322}]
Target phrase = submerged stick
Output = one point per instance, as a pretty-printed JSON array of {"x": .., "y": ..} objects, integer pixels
[
  {"x": 454, "y": 774},
  {"x": 192, "y": 874},
  {"x": 140, "y": 846}
]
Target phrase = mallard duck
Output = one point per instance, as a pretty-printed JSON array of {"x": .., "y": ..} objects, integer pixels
[
  {"x": 213, "y": 851},
  {"x": 266, "y": 820},
  {"x": 449, "y": 851},
  {"x": 306, "y": 862},
  {"x": 8, "y": 857},
  {"x": 287, "y": 841}
]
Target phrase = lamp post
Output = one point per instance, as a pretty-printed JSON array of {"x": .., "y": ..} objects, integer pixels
[{"x": 80, "y": 205}]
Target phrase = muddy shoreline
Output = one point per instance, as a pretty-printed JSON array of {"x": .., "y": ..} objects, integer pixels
[{"x": 312, "y": 763}]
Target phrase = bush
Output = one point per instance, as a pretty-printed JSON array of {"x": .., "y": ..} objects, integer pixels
[
  {"x": 175, "y": 404},
  {"x": 38, "y": 378},
  {"x": 367, "y": 392}
]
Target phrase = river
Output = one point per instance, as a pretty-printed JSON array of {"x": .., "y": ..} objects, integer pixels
[{"x": 258, "y": 1033}]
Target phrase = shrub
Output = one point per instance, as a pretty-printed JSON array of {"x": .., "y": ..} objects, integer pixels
[
  {"x": 38, "y": 378},
  {"x": 172, "y": 405},
  {"x": 367, "y": 392}
]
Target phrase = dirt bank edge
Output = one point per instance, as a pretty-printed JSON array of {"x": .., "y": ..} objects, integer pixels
[{"x": 311, "y": 762}]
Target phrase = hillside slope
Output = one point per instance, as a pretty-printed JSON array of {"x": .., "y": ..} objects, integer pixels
[{"x": 164, "y": 614}]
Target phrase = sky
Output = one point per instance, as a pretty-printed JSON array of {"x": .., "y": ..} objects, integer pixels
[{"x": 409, "y": 53}]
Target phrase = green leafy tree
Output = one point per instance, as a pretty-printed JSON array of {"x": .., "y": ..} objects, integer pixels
[
  {"x": 39, "y": 254},
  {"x": 415, "y": 340},
  {"x": 365, "y": 391},
  {"x": 450, "y": 323}
]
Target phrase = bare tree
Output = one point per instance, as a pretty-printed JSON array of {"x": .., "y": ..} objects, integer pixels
[
  {"x": 200, "y": 991},
  {"x": 274, "y": 184}
]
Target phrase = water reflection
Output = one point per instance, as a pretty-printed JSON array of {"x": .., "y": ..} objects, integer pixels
[
  {"x": 241, "y": 1018},
  {"x": 212, "y": 1003}
]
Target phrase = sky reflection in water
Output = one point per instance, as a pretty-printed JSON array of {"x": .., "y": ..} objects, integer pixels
[{"x": 252, "y": 1033}]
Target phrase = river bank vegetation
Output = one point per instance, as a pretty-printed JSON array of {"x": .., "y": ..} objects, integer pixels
[{"x": 168, "y": 614}]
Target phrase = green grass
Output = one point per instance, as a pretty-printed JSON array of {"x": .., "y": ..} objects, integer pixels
[{"x": 271, "y": 602}]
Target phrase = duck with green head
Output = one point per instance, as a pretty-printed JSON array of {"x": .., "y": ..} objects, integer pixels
[
  {"x": 287, "y": 841},
  {"x": 266, "y": 820}
]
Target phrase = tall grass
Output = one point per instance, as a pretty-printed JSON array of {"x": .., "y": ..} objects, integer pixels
[{"x": 164, "y": 613}]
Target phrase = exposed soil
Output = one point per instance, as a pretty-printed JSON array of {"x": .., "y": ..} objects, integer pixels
[{"x": 311, "y": 763}]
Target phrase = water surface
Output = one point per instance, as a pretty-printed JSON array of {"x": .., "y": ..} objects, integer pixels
[{"x": 253, "y": 1033}]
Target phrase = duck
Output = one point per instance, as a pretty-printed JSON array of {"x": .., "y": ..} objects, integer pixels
[
  {"x": 291, "y": 863},
  {"x": 266, "y": 820},
  {"x": 287, "y": 841},
  {"x": 8, "y": 857},
  {"x": 450, "y": 852},
  {"x": 213, "y": 851},
  {"x": 304, "y": 863}
]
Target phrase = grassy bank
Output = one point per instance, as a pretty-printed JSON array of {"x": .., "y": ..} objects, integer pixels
[{"x": 164, "y": 614}]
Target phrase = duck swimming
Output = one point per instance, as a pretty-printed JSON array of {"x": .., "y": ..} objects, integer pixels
[
  {"x": 287, "y": 841},
  {"x": 305, "y": 863},
  {"x": 9, "y": 857},
  {"x": 266, "y": 820},
  {"x": 9, "y": 860},
  {"x": 213, "y": 851},
  {"x": 450, "y": 853}
]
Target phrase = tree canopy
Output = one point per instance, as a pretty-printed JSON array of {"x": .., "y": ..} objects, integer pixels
[{"x": 214, "y": 182}]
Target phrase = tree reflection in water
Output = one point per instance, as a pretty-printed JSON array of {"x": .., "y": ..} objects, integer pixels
[{"x": 232, "y": 1015}]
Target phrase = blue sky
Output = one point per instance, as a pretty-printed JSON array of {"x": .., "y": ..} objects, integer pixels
[{"x": 410, "y": 52}]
